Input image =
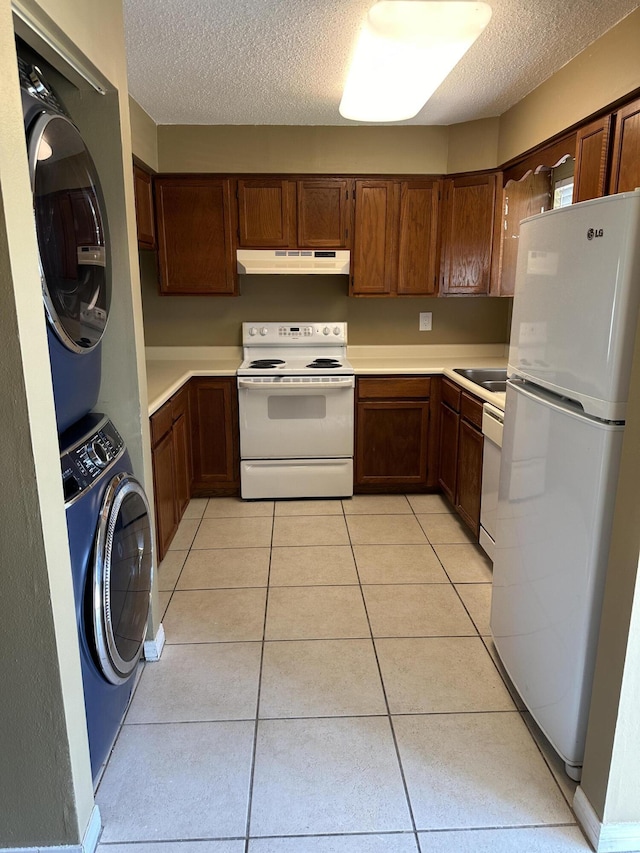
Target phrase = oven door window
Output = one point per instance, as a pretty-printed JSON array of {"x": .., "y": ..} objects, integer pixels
[{"x": 299, "y": 408}]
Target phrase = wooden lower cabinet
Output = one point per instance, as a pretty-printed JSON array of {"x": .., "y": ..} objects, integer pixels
[
  {"x": 394, "y": 439},
  {"x": 461, "y": 446},
  {"x": 171, "y": 458},
  {"x": 214, "y": 436},
  {"x": 470, "y": 444}
]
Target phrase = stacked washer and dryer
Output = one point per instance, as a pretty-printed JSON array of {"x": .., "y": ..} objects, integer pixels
[{"x": 108, "y": 517}]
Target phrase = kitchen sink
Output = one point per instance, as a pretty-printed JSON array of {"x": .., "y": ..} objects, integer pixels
[{"x": 489, "y": 378}]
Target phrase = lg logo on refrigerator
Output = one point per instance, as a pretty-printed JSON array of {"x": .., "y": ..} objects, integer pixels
[{"x": 595, "y": 232}]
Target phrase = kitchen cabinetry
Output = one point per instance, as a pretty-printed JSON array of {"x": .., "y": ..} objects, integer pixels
[
  {"x": 196, "y": 253},
  {"x": 214, "y": 436},
  {"x": 286, "y": 213},
  {"x": 395, "y": 237},
  {"x": 144, "y": 208},
  {"x": 625, "y": 162},
  {"x": 171, "y": 457},
  {"x": 461, "y": 444},
  {"x": 470, "y": 228},
  {"x": 520, "y": 199},
  {"x": 394, "y": 436},
  {"x": 592, "y": 160}
]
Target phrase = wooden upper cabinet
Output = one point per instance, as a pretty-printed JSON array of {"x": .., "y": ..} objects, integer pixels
[
  {"x": 592, "y": 160},
  {"x": 374, "y": 256},
  {"x": 625, "y": 166},
  {"x": 195, "y": 246},
  {"x": 266, "y": 213},
  {"x": 144, "y": 208},
  {"x": 324, "y": 208},
  {"x": 418, "y": 237},
  {"x": 520, "y": 199},
  {"x": 469, "y": 229}
]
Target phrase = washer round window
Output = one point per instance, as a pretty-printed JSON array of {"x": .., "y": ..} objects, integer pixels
[
  {"x": 74, "y": 257},
  {"x": 123, "y": 568}
]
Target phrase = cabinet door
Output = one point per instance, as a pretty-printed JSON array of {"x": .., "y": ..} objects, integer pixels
[
  {"x": 266, "y": 213},
  {"x": 375, "y": 229},
  {"x": 194, "y": 236},
  {"x": 520, "y": 199},
  {"x": 144, "y": 208},
  {"x": 214, "y": 436},
  {"x": 469, "y": 231},
  {"x": 417, "y": 240},
  {"x": 182, "y": 457},
  {"x": 164, "y": 493},
  {"x": 449, "y": 429},
  {"x": 391, "y": 442},
  {"x": 323, "y": 213},
  {"x": 592, "y": 157},
  {"x": 469, "y": 475},
  {"x": 625, "y": 168}
]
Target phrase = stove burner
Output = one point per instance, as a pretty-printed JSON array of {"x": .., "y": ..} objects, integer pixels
[
  {"x": 325, "y": 365},
  {"x": 266, "y": 363},
  {"x": 329, "y": 361}
]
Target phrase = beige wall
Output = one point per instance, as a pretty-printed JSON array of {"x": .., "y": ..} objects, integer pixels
[
  {"x": 604, "y": 72},
  {"x": 473, "y": 145},
  {"x": 209, "y": 321},
  {"x": 144, "y": 135},
  {"x": 188, "y": 148}
]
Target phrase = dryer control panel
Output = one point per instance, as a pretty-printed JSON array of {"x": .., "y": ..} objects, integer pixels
[{"x": 85, "y": 462}]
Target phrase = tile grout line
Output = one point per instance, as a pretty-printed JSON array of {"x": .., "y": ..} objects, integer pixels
[
  {"x": 257, "y": 706},
  {"x": 384, "y": 694}
]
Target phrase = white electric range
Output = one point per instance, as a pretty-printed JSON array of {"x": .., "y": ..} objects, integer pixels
[{"x": 296, "y": 407}]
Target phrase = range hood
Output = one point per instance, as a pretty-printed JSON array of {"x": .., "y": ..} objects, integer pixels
[{"x": 293, "y": 261}]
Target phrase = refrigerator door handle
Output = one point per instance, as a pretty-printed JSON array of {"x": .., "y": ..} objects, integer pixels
[{"x": 547, "y": 398}]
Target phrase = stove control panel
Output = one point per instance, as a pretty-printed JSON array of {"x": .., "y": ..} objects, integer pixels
[{"x": 290, "y": 334}]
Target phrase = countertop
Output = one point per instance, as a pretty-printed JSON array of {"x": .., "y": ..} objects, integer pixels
[{"x": 168, "y": 368}]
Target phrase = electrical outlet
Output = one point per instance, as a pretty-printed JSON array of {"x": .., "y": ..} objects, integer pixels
[{"x": 425, "y": 321}]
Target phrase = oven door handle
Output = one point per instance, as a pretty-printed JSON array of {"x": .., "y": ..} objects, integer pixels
[{"x": 295, "y": 386}]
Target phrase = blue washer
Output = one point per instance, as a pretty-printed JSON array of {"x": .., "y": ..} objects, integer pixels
[
  {"x": 111, "y": 547},
  {"x": 73, "y": 243}
]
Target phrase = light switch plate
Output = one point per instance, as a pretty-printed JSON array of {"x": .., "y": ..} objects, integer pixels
[{"x": 425, "y": 321}]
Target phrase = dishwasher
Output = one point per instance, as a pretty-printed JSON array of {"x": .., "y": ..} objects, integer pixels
[{"x": 492, "y": 426}]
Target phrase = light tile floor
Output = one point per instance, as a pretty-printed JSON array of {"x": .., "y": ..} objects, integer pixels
[{"x": 329, "y": 686}]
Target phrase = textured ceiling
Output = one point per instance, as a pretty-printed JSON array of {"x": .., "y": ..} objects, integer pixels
[{"x": 285, "y": 61}]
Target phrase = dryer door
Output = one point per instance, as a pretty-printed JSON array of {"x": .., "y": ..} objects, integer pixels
[
  {"x": 74, "y": 257},
  {"x": 122, "y": 575}
]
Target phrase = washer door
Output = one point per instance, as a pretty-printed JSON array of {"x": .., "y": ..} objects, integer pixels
[
  {"x": 122, "y": 575},
  {"x": 74, "y": 257}
]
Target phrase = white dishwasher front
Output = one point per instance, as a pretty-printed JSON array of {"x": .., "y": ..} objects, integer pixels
[{"x": 492, "y": 426}]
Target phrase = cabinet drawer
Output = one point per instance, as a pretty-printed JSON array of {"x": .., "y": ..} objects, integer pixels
[
  {"x": 161, "y": 423},
  {"x": 394, "y": 387},
  {"x": 471, "y": 410},
  {"x": 451, "y": 394}
]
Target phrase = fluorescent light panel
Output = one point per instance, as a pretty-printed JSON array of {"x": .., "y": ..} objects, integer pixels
[{"x": 404, "y": 52}]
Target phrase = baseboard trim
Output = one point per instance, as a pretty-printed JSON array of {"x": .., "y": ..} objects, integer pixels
[
  {"x": 153, "y": 648},
  {"x": 89, "y": 842},
  {"x": 605, "y": 837},
  {"x": 92, "y": 832}
]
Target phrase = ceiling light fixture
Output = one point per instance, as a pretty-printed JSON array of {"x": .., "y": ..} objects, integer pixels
[{"x": 404, "y": 52}]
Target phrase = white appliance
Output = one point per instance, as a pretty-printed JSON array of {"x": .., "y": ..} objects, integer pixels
[
  {"x": 574, "y": 319},
  {"x": 296, "y": 407},
  {"x": 293, "y": 261},
  {"x": 492, "y": 428}
]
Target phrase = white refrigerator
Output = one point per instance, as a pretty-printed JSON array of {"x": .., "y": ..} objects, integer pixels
[{"x": 574, "y": 320}]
